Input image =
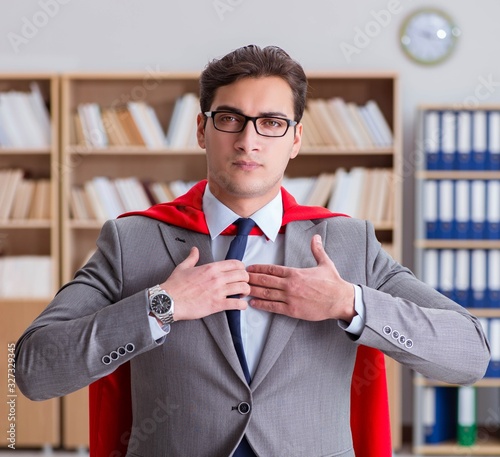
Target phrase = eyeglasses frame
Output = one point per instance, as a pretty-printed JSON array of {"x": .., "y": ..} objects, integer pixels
[{"x": 254, "y": 119}]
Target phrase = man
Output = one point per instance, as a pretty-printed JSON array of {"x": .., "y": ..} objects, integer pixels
[{"x": 158, "y": 292}]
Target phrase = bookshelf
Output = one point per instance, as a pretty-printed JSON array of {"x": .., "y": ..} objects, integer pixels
[
  {"x": 27, "y": 238},
  {"x": 82, "y": 162},
  {"x": 458, "y": 252}
]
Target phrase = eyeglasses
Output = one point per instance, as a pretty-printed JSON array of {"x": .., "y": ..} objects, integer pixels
[{"x": 227, "y": 121}]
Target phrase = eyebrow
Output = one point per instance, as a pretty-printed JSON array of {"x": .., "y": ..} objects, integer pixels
[{"x": 232, "y": 109}]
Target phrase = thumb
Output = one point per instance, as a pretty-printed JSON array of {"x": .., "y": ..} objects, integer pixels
[
  {"x": 191, "y": 260},
  {"x": 318, "y": 250}
]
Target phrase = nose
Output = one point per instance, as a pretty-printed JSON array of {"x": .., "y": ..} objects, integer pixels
[{"x": 248, "y": 139}]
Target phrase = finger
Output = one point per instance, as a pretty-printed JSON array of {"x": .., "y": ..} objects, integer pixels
[
  {"x": 235, "y": 303},
  {"x": 267, "y": 294},
  {"x": 272, "y": 270},
  {"x": 270, "y": 306},
  {"x": 265, "y": 280},
  {"x": 191, "y": 260}
]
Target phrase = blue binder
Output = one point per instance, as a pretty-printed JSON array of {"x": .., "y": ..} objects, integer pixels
[
  {"x": 432, "y": 129},
  {"x": 493, "y": 334},
  {"x": 446, "y": 222},
  {"x": 464, "y": 140},
  {"x": 448, "y": 140},
  {"x": 443, "y": 427},
  {"x": 493, "y": 140},
  {"x": 463, "y": 229},
  {"x": 492, "y": 225},
  {"x": 479, "y": 140}
]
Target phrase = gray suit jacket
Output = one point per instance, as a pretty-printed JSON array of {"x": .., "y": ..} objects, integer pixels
[{"x": 186, "y": 388}]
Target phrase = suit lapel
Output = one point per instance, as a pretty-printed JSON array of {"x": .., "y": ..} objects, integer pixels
[
  {"x": 178, "y": 242},
  {"x": 297, "y": 254}
]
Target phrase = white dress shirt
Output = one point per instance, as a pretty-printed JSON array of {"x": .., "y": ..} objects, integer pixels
[{"x": 265, "y": 249}]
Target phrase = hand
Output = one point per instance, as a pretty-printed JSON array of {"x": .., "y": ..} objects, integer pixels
[
  {"x": 311, "y": 294},
  {"x": 199, "y": 291}
]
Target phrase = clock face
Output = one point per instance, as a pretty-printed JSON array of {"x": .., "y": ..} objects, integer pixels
[
  {"x": 161, "y": 304},
  {"x": 428, "y": 36}
]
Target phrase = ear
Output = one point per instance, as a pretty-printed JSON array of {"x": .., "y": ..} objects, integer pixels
[
  {"x": 297, "y": 141},
  {"x": 200, "y": 129}
]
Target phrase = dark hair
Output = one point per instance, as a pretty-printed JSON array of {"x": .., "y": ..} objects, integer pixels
[{"x": 254, "y": 62}]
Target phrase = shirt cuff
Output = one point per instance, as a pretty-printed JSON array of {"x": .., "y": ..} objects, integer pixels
[
  {"x": 357, "y": 324},
  {"x": 158, "y": 332}
]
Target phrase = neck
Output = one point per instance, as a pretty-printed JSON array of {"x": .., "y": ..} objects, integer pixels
[{"x": 243, "y": 206}]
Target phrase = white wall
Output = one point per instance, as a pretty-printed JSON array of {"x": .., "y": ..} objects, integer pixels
[{"x": 73, "y": 35}]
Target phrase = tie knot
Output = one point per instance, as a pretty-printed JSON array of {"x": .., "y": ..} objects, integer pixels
[{"x": 245, "y": 225}]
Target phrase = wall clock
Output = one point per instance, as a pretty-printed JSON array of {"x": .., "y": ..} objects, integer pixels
[{"x": 428, "y": 36}]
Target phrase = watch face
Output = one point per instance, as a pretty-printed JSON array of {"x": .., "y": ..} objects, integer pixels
[
  {"x": 428, "y": 36},
  {"x": 161, "y": 304}
]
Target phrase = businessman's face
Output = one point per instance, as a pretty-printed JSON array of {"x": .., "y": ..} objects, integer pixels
[{"x": 246, "y": 168}]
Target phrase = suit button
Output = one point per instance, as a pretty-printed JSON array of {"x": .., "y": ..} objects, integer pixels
[
  {"x": 130, "y": 347},
  {"x": 106, "y": 360},
  {"x": 395, "y": 334},
  {"x": 387, "y": 330},
  {"x": 409, "y": 343},
  {"x": 244, "y": 408},
  {"x": 402, "y": 339}
]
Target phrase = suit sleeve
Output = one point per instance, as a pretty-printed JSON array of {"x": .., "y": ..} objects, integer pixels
[
  {"x": 87, "y": 331},
  {"x": 416, "y": 325}
]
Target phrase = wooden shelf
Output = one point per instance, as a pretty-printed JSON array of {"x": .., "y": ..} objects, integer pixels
[
  {"x": 457, "y": 244},
  {"x": 69, "y": 242},
  {"x": 488, "y": 448}
]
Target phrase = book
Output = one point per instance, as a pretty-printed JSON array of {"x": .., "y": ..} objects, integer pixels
[
  {"x": 446, "y": 223},
  {"x": 479, "y": 140},
  {"x": 492, "y": 223},
  {"x": 493, "y": 140},
  {"x": 23, "y": 200},
  {"x": 431, "y": 133},
  {"x": 183, "y": 117},
  {"x": 462, "y": 287},
  {"x": 448, "y": 149},
  {"x": 380, "y": 122},
  {"x": 440, "y": 409},
  {"x": 478, "y": 278},
  {"x": 446, "y": 273},
  {"x": 493, "y": 284},
  {"x": 40, "y": 208},
  {"x": 321, "y": 190},
  {"x": 462, "y": 209},
  {"x": 464, "y": 140},
  {"x": 493, "y": 370},
  {"x": 467, "y": 421},
  {"x": 478, "y": 208},
  {"x": 430, "y": 208}
]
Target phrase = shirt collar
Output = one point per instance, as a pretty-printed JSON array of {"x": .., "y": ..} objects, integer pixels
[{"x": 219, "y": 216}]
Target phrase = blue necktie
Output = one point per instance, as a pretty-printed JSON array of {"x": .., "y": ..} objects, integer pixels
[{"x": 236, "y": 251}]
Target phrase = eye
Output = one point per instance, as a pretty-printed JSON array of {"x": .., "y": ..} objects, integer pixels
[
  {"x": 228, "y": 118},
  {"x": 272, "y": 123}
]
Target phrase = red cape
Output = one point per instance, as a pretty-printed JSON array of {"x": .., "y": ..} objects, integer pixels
[{"x": 110, "y": 397}]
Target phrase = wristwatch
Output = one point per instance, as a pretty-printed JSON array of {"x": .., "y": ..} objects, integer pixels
[{"x": 161, "y": 304}]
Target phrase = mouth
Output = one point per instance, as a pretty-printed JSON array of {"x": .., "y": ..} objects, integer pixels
[{"x": 246, "y": 165}]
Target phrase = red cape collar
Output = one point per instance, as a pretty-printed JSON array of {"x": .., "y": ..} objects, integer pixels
[{"x": 186, "y": 210}]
